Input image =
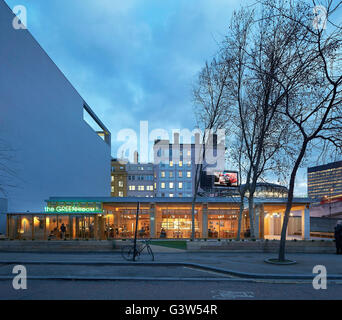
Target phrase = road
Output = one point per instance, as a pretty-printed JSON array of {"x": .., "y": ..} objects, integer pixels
[
  {"x": 95, "y": 276},
  {"x": 200, "y": 284},
  {"x": 170, "y": 290}
]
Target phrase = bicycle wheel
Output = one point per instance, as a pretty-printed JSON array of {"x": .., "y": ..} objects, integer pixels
[
  {"x": 149, "y": 250},
  {"x": 127, "y": 252}
]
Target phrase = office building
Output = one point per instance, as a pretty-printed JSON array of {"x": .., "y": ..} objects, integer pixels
[
  {"x": 140, "y": 180},
  {"x": 119, "y": 178},
  {"x": 325, "y": 181}
]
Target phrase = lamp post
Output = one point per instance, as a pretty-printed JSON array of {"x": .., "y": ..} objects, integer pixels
[{"x": 330, "y": 190}]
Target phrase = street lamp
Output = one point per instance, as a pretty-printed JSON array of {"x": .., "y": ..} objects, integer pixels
[{"x": 331, "y": 190}]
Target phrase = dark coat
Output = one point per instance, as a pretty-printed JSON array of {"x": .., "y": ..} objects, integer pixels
[{"x": 338, "y": 236}]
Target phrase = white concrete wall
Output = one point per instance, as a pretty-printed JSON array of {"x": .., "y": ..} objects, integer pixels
[{"x": 56, "y": 153}]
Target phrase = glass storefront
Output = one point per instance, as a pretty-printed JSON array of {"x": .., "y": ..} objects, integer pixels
[
  {"x": 118, "y": 221},
  {"x": 222, "y": 226},
  {"x": 175, "y": 224}
]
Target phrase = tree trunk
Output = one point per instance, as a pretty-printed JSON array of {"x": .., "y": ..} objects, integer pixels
[
  {"x": 193, "y": 218},
  {"x": 251, "y": 215},
  {"x": 281, "y": 255},
  {"x": 240, "y": 219}
]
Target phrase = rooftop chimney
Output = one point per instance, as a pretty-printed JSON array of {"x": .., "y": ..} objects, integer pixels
[
  {"x": 136, "y": 157},
  {"x": 176, "y": 138}
]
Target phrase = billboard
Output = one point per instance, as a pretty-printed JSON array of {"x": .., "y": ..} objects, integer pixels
[{"x": 226, "y": 179}]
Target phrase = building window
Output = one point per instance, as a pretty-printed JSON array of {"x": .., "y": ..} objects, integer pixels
[
  {"x": 180, "y": 174},
  {"x": 180, "y": 185},
  {"x": 132, "y": 188},
  {"x": 141, "y": 188},
  {"x": 171, "y": 185},
  {"x": 171, "y": 195},
  {"x": 171, "y": 163},
  {"x": 112, "y": 189},
  {"x": 162, "y": 185},
  {"x": 188, "y": 174},
  {"x": 163, "y": 174},
  {"x": 180, "y": 163},
  {"x": 120, "y": 193},
  {"x": 120, "y": 183},
  {"x": 171, "y": 174},
  {"x": 189, "y": 163},
  {"x": 112, "y": 178}
]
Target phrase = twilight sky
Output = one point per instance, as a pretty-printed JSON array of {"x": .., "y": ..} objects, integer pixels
[{"x": 133, "y": 60}]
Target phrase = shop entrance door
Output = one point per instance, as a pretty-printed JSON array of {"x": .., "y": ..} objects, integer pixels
[{"x": 83, "y": 227}]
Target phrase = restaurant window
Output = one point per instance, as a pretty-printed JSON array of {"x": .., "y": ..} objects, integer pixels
[
  {"x": 124, "y": 224},
  {"x": 177, "y": 224},
  {"x": 222, "y": 225}
]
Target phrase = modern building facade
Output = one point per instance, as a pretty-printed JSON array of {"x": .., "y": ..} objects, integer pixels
[
  {"x": 119, "y": 178},
  {"x": 176, "y": 163},
  {"x": 115, "y": 218},
  {"x": 140, "y": 180},
  {"x": 325, "y": 181},
  {"x": 47, "y": 147}
]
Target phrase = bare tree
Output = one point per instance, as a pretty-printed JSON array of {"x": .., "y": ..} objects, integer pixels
[
  {"x": 259, "y": 47},
  {"x": 210, "y": 108},
  {"x": 313, "y": 104}
]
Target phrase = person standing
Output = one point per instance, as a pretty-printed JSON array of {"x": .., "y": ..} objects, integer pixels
[
  {"x": 338, "y": 237},
  {"x": 63, "y": 230}
]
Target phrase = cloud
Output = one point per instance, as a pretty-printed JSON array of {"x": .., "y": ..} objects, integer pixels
[{"x": 131, "y": 60}]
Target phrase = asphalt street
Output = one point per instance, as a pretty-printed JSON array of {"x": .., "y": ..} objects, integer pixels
[
  {"x": 172, "y": 282},
  {"x": 170, "y": 290}
]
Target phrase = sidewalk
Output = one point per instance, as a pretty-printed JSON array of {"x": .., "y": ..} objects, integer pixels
[{"x": 237, "y": 262}]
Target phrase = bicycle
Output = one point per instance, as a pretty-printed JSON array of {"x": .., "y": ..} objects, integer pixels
[{"x": 128, "y": 250}]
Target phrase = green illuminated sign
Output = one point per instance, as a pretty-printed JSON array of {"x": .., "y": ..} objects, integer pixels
[{"x": 63, "y": 208}]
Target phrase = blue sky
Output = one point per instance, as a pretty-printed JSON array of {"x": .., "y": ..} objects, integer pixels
[{"x": 133, "y": 60}]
